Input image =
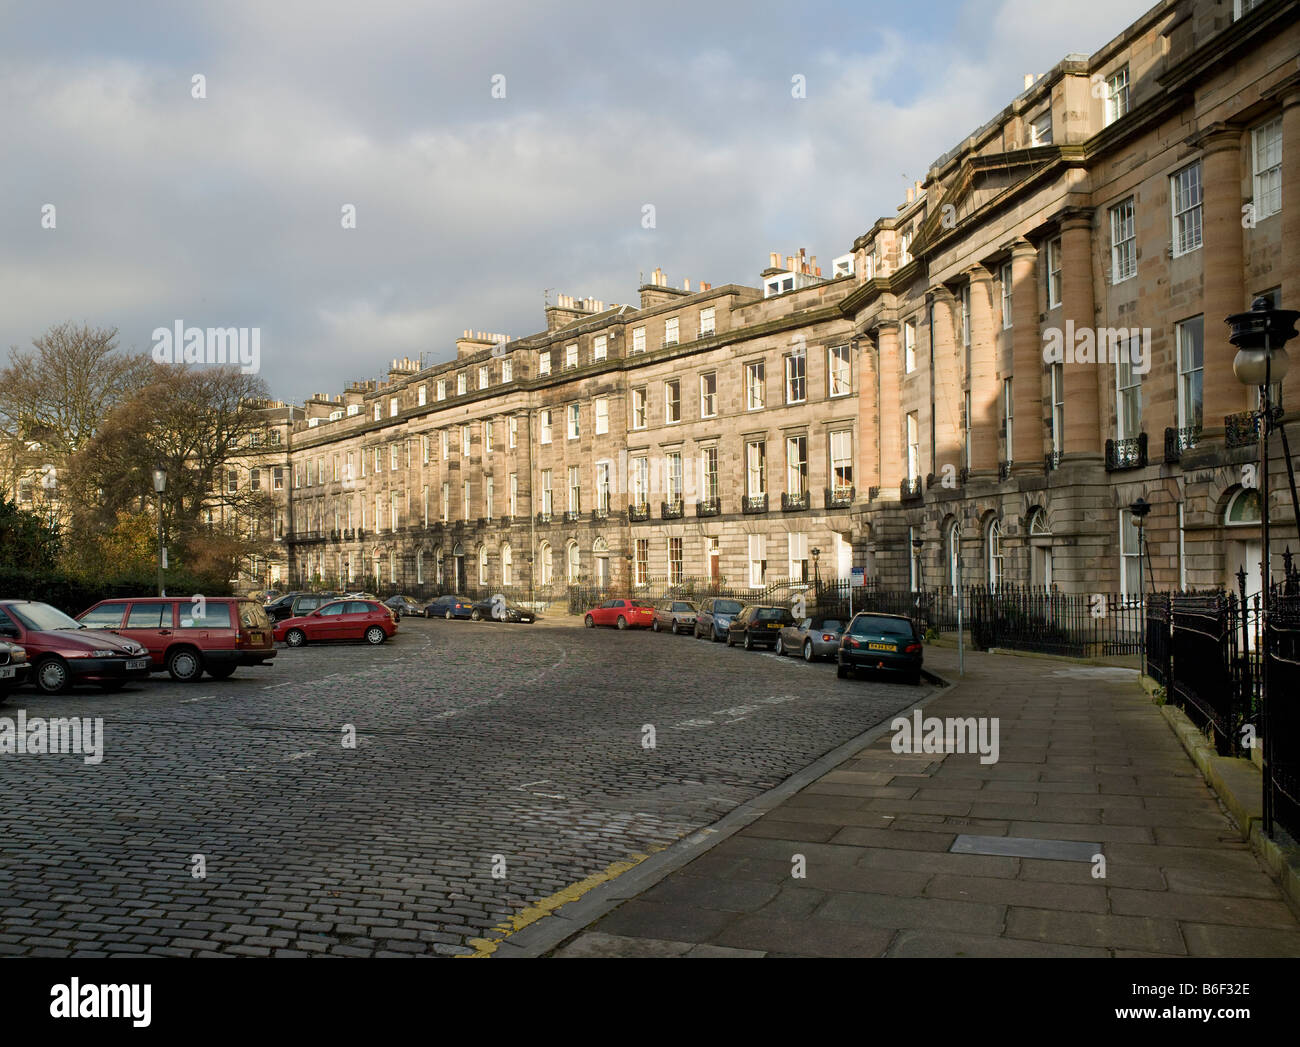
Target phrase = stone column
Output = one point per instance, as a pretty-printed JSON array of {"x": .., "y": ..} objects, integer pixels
[
  {"x": 889, "y": 457},
  {"x": 1291, "y": 201},
  {"x": 1083, "y": 425},
  {"x": 1223, "y": 258},
  {"x": 1027, "y": 358},
  {"x": 945, "y": 385},
  {"x": 985, "y": 395}
]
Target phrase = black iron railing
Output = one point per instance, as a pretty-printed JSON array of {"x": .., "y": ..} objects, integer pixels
[
  {"x": 1241, "y": 430},
  {"x": 708, "y": 507},
  {"x": 756, "y": 503},
  {"x": 1004, "y": 471},
  {"x": 672, "y": 510},
  {"x": 1078, "y": 625},
  {"x": 543, "y": 518},
  {"x": 1126, "y": 454},
  {"x": 1179, "y": 440},
  {"x": 839, "y": 497},
  {"x": 910, "y": 490},
  {"x": 1051, "y": 461},
  {"x": 794, "y": 503},
  {"x": 638, "y": 511}
]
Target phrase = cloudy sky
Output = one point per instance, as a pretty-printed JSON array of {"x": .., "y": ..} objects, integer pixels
[{"x": 225, "y": 211}]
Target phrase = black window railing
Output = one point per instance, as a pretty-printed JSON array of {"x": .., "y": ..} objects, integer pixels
[
  {"x": 1179, "y": 440},
  {"x": 708, "y": 507},
  {"x": 672, "y": 510},
  {"x": 1126, "y": 454},
  {"x": 839, "y": 497},
  {"x": 1241, "y": 430},
  {"x": 794, "y": 503},
  {"x": 754, "y": 503},
  {"x": 1004, "y": 471},
  {"x": 638, "y": 511},
  {"x": 910, "y": 490},
  {"x": 1051, "y": 461}
]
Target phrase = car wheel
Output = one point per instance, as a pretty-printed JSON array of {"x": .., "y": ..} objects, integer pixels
[
  {"x": 448, "y": 616},
  {"x": 375, "y": 635},
  {"x": 221, "y": 672},
  {"x": 475, "y": 616},
  {"x": 590, "y": 622},
  {"x": 622, "y": 622},
  {"x": 719, "y": 639},
  {"x": 749, "y": 641},
  {"x": 185, "y": 665},
  {"x": 729, "y": 643},
  {"x": 842, "y": 671},
  {"x": 780, "y": 646},
  {"x": 807, "y": 651},
  {"x": 675, "y": 629},
  {"x": 654, "y": 627},
  {"x": 52, "y": 676},
  {"x": 295, "y": 638}
]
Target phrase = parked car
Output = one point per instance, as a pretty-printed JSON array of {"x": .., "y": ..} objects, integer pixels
[
  {"x": 366, "y": 620},
  {"x": 886, "y": 642},
  {"x": 714, "y": 616},
  {"x": 14, "y": 668},
  {"x": 63, "y": 652},
  {"x": 758, "y": 625},
  {"x": 188, "y": 637},
  {"x": 303, "y": 603},
  {"x": 491, "y": 611},
  {"x": 450, "y": 607},
  {"x": 811, "y": 638},
  {"x": 677, "y": 616},
  {"x": 282, "y": 606},
  {"x": 401, "y": 604},
  {"x": 625, "y": 614}
]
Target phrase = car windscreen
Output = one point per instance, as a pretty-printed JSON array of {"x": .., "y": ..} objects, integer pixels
[
  {"x": 772, "y": 614},
  {"x": 41, "y": 616},
  {"x": 642, "y": 603},
  {"x": 726, "y": 607},
  {"x": 870, "y": 625},
  {"x": 682, "y": 605}
]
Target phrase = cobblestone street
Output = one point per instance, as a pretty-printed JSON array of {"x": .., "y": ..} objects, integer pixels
[{"x": 477, "y": 744}]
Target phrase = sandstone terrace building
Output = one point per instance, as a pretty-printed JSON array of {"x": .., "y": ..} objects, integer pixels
[{"x": 1151, "y": 185}]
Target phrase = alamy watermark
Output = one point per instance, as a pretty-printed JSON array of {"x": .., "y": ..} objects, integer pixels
[
  {"x": 179, "y": 344},
  {"x": 930, "y": 734},
  {"x": 1098, "y": 345},
  {"x": 56, "y": 736}
]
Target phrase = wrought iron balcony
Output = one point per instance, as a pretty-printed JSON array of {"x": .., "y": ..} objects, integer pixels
[
  {"x": 673, "y": 510},
  {"x": 754, "y": 503},
  {"x": 795, "y": 503},
  {"x": 1004, "y": 471},
  {"x": 1179, "y": 440},
  {"x": 910, "y": 490},
  {"x": 638, "y": 511},
  {"x": 839, "y": 497},
  {"x": 543, "y": 518},
  {"x": 873, "y": 492},
  {"x": 1241, "y": 430},
  {"x": 1051, "y": 461},
  {"x": 1126, "y": 454},
  {"x": 504, "y": 521},
  {"x": 482, "y": 521},
  {"x": 572, "y": 516},
  {"x": 601, "y": 512},
  {"x": 963, "y": 475},
  {"x": 708, "y": 507}
]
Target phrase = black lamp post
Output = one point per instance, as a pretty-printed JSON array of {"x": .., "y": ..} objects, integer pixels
[
  {"x": 1260, "y": 336},
  {"x": 630, "y": 584},
  {"x": 159, "y": 486},
  {"x": 817, "y": 578},
  {"x": 1139, "y": 510}
]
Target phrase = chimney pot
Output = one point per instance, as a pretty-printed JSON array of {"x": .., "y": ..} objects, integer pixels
[{"x": 1029, "y": 81}]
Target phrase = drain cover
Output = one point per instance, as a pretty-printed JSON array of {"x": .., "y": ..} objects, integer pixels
[{"x": 1023, "y": 847}]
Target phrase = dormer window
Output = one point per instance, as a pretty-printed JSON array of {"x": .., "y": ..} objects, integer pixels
[
  {"x": 778, "y": 284},
  {"x": 1040, "y": 129}
]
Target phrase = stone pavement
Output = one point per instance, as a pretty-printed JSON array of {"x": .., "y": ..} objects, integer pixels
[{"x": 1084, "y": 757}]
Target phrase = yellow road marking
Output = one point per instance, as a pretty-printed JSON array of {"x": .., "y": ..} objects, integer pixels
[{"x": 485, "y": 947}]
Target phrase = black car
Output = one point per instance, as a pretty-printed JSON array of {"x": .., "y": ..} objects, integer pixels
[
  {"x": 282, "y": 607},
  {"x": 758, "y": 625},
  {"x": 299, "y": 605},
  {"x": 714, "y": 617},
  {"x": 884, "y": 642},
  {"x": 449, "y": 607},
  {"x": 501, "y": 611},
  {"x": 404, "y": 605}
]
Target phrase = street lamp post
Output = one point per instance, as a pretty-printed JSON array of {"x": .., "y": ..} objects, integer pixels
[
  {"x": 817, "y": 578},
  {"x": 630, "y": 586},
  {"x": 1139, "y": 510},
  {"x": 920, "y": 575},
  {"x": 159, "y": 486},
  {"x": 1260, "y": 336}
]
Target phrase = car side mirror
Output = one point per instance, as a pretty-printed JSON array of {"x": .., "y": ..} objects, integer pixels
[{"x": 10, "y": 630}]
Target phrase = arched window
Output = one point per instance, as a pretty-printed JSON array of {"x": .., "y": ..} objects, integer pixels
[
  {"x": 952, "y": 552},
  {"x": 993, "y": 552},
  {"x": 573, "y": 562},
  {"x": 507, "y": 565},
  {"x": 544, "y": 563},
  {"x": 1243, "y": 509},
  {"x": 600, "y": 550},
  {"x": 482, "y": 565}
]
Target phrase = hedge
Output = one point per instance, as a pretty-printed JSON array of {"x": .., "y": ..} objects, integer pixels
[{"x": 72, "y": 595}]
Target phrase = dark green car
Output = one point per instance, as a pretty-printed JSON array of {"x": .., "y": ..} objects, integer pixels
[
  {"x": 883, "y": 642},
  {"x": 758, "y": 625}
]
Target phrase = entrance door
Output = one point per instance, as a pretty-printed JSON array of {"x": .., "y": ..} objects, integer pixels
[
  {"x": 1041, "y": 565},
  {"x": 1243, "y": 554},
  {"x": 715, "y": 562},
  {"x": 602, "y": 572}
]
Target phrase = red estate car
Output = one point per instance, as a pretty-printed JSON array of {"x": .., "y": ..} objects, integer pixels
[
  {"x": 188, "y": 636},
  {"x": 63, "y": 651},
  {"x": 366, "y": 620},
  {"x": 626, "y": 614}
]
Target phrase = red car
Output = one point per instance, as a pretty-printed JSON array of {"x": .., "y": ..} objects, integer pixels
[
  {"x": 188, "y": 636},
  {"x": 366, "y": 620},
  {"x": 626, "y": 614},
  {"x": 64, "y": 652}
]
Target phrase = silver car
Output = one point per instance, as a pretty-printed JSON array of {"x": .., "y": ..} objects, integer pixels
[
  {"x": 811, "y": 638},
  {"x": 677, "y": 616}
]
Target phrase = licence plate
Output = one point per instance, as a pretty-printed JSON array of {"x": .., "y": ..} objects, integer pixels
[
  {"x": 882, "y": 647},
  {"x": 138, "y": 663},
  {"x": 774, "y": 625},
  {"x": 6, "y": 671}
]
